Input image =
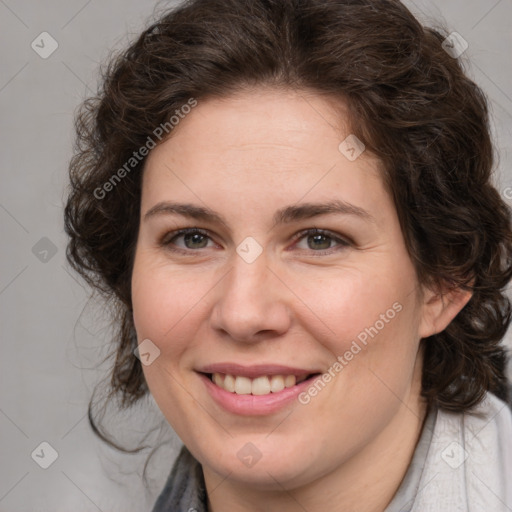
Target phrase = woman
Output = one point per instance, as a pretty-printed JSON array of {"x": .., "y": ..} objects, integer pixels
[{"x": 291, "y": 204}]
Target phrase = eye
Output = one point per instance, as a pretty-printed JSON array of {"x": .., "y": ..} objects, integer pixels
[
  {"x": 190, "y": 238},
  {"x": 320, "y": 241},
  {"x": 317, "y": 240}
]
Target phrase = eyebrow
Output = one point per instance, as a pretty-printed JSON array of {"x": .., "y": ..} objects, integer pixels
[{"x": 292, "y": 213}]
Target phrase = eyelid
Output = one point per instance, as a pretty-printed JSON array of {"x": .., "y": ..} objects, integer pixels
[{"x": 320, "y": 231}]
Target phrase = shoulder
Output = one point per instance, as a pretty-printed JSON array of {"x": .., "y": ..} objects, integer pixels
[
  {"x": 469, "y": 462},
  {"x": 184, "y": 490},
  {"x": 490, "y": 421}
]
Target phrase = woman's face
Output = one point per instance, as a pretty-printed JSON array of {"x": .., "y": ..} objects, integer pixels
[{"x": 293, "y": 265}]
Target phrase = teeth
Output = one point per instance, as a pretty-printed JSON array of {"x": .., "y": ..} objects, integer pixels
[
  {"x": 243, "y": 386},
  {"x": 217, "y": 378},
  {"x": 276, "y": 383},
  {"x": 260, "y": 386},
  {"x": 229, "y": 383},
  {"x": 289, "y": 381}
]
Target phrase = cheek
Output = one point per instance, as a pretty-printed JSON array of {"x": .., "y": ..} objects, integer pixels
[
  {"x": 359, "y": 304},
  {"x": 367, "y": 320},
  {"x": 166, "y": 305},
  {"x": 377, "y": 354},
  {"x": 167, "y": 310}
]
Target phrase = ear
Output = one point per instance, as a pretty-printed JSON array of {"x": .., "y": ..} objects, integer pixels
[{"x": 440, "y": 307}]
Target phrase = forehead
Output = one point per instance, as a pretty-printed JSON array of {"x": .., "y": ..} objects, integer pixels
[
  {"x": 269, "y": 119},
  {"x": 274, "y": 142}
]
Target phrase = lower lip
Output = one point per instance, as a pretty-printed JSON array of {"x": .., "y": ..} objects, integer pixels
[{"x": 254, "y": 405}]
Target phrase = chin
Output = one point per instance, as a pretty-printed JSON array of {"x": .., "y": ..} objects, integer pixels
[{"x": 264, "y": 464}]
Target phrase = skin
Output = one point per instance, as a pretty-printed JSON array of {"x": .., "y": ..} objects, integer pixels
[{"x": 247, "y": 156}]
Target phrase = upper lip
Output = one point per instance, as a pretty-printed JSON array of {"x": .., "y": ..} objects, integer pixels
[{"x": 254, "y": 371}]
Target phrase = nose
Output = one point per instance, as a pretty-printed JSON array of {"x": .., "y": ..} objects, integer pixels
[{"x": 251, "y": 303}]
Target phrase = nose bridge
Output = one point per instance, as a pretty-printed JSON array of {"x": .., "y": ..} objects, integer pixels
[
  {"x": 250, "y": 301},
  {"x": 246, "y": 286}
]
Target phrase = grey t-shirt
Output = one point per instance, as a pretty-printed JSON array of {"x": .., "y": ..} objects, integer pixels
[{"x": 462, "y": 463}]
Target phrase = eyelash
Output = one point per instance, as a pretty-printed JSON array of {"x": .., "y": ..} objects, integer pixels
[{"x": 342, "y": 242}]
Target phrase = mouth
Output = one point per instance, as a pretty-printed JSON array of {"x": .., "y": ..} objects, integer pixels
[
  {"x": 254, "y": 390},
  {"x": 259, "y": 386}
]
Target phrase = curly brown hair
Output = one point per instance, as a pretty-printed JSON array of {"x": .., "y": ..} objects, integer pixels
[{"x": 409, "y": 101}]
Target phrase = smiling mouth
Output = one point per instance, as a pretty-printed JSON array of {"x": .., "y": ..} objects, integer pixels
[{"x": 263, "y": 385}]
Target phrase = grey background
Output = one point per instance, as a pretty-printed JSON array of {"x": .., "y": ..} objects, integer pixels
[{"x": 53, "y": 337}]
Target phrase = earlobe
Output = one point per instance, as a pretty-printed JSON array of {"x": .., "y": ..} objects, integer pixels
[{"x": 440, "y": 308}]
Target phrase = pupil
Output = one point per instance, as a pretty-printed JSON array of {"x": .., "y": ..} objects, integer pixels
[
  {"x": 195, "y": 240},
  {"x": 319, "y": 242}
]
